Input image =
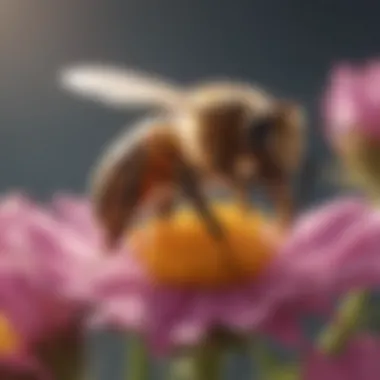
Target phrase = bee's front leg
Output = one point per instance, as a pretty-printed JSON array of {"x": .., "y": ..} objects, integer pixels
[
  {"x": 243, "y": 177},
  {"x": 280, "y": 191}
]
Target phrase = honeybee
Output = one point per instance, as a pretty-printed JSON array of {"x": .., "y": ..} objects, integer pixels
[{"x": 222, "y": 132}]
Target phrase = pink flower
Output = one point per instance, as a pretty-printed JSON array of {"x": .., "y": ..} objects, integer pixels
[
  {"x": 313, "y": 267},
  {"x": 352, "y": 100},
  {"x": 48, "y": 256},
  {"x": 19, "y": 367},
  {"x": 337, "y": 245},
  {"x": 359, "y": 361}
]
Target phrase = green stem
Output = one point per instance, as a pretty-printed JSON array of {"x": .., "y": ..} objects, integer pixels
[
  {"x": 268, "y": 367},
  {"x": 137, "y": 365},
  {"x": 346, "y": 322},
  {"x": 203, "y": 363},
  {"x": 208, "y": 362},
  {"x": 63, "y": 356}
]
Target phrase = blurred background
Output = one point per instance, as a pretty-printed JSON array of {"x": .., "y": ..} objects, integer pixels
[{"x": 49, "y": 140}]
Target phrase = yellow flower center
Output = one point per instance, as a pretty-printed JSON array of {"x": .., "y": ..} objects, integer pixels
[
  {"x": 179, "y": 251},
  {"x": 9, "y": 339}
]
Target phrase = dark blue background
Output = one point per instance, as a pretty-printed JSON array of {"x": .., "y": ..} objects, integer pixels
[{"x": 49, "y": 140}]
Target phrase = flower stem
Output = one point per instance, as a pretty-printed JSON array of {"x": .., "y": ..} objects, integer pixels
[
  {"x": 208, "y": 362},
  {"x": 137, "y": 365},
  {"x": 64, "y": 356},
  {"x": 203, "y": 363},
  {"x": 347, "y": 321},
  {"x": 268, "y": 366}
]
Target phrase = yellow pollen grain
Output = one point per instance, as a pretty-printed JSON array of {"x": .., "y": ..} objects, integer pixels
[{"x": 180, "y": 252}]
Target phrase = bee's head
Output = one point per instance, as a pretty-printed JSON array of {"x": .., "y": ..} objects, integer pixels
[{"x": 278, "y": 136}]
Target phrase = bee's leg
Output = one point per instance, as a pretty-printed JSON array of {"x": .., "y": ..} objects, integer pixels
[
  {"x": 241, "y": 188},
  {"x": 280, "y": 191},
  {"x": 120, "y": 194},
  {"x": 190, "y": 186},
  {"x": 189, "y": 183},
  {"x": 242, "y": 180}
]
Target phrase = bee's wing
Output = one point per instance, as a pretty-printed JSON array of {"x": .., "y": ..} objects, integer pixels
[{"x": 118, "y": 87}]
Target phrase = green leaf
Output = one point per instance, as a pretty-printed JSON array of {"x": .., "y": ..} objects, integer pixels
[
  {"x": 348, "y": 319},
  {"x": 284, "y": 372},
  {"x": 269, "y": 366},
  {"x": 203, "y": 362},
  {"x": 137, "y": 363}
]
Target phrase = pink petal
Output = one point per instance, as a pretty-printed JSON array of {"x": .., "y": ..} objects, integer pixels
[
  {"x": 360, "y": 361},
  {"x": 352, "y": 100},
  {"x": 47, "y": 263}
]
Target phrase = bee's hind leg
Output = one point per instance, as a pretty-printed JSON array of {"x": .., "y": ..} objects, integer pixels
[
  {"x": 280, "y": 192},
  {"x": 118, "y": 193}
]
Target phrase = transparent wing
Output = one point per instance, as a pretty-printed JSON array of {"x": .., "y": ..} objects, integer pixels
[{"x": 118, "y": 87}]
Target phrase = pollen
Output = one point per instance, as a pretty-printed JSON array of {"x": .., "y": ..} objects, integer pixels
[
  {"x": 179, "y": 251},
  {"x": 9, "y": 339}
]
